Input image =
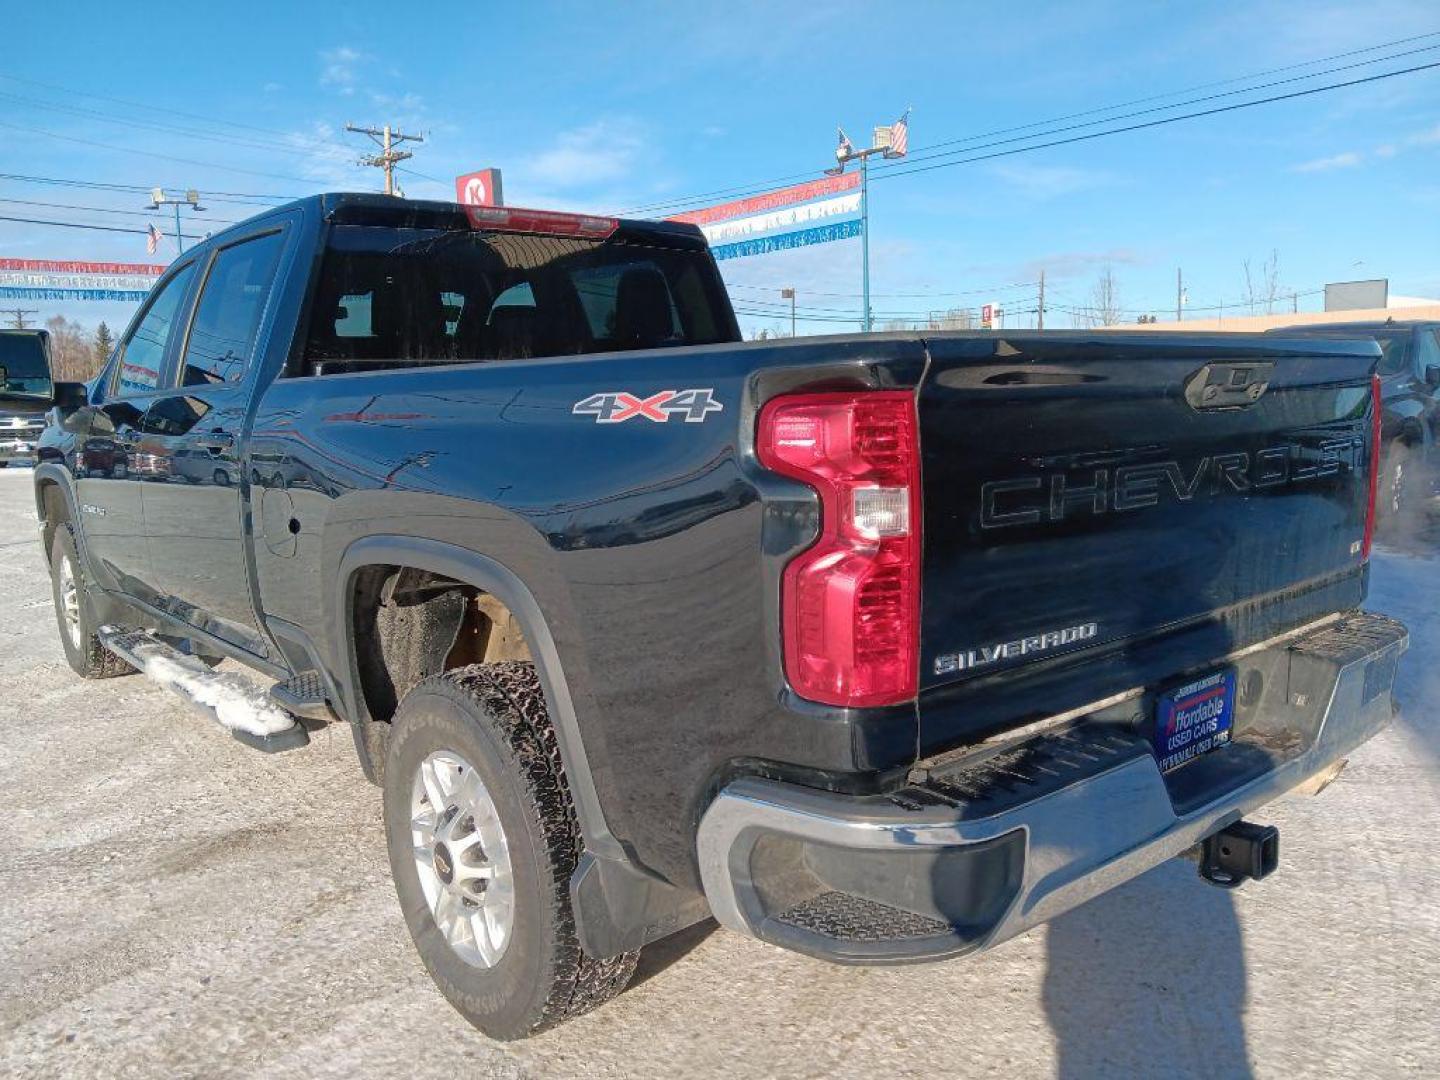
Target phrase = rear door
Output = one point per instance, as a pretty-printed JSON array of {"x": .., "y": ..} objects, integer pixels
[
  {"x": 1103, "y": 510},
  {"x": 115, "y": 463},
  {"x": 194, "y": 516}
]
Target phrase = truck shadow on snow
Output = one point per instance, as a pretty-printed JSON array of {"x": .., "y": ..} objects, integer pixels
[{"x": 1149, "y": 980}]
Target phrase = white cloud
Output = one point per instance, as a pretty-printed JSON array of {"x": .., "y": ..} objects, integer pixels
[
  {"x": 1425, "y": 138},
  {"x": 1347, "y": 160},
  {"x": 1068, "y": 264},
  {"x": 600, "y": 153},
  {"x": 1050, "y": 181},
  {"x": 327, "y": 160},
  {"x": 339, "y": 67}
]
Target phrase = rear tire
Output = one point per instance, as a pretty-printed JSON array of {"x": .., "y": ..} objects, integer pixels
[
  {"x": 488, "y": 724},
  {"x": 70, "y": 593}
]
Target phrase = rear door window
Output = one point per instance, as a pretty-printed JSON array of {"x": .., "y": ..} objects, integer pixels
[{"x": 227, "y": 318}]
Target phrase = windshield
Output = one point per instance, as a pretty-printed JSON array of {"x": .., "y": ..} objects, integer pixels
[
  {"x": 388, "y": 294},
  {"x": 1394, "y": 353},
  {"x": 23, "y": 358}
]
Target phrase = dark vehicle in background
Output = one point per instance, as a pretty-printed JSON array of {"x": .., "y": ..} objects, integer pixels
[
  {"x": 881, "y": 648},
  {"x": 1410, "y": 421},
  {"x": 26, "y": 392}
]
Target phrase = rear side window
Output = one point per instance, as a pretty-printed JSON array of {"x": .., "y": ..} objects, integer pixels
[
  {"x": 389, "y": 296},
  {"x": 228, "y": 314},
  {"x": 142, "y": 360}
]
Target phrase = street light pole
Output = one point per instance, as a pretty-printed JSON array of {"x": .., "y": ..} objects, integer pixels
[
  {"x": 865, "y": 238},
  {"x": 789, "y": 294},
  {"x": 881, "y": 143},
  {"x": 191, "y": 198}
]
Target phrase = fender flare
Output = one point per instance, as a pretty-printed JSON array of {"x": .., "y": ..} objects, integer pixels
[
  {"x": 50, "y": 472},
  {"x": 499, "y": 581},
  {"x": 618, "y": 904}
]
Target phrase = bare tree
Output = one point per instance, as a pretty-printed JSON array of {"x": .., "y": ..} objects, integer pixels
[
  {"x": 1104, "y": 308},
  {"x": 958, "y": 318},
  {"x": 1266, "y": 288},
  {"x": 72, "y": 350}
]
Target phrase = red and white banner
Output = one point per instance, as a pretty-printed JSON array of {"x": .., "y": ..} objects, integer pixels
[
  {"x": 57, "y": 266},
  {"x": 773, "y": 200}
]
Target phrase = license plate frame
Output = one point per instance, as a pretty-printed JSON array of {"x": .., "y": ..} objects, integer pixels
[{"x": 1194, "y": 719}]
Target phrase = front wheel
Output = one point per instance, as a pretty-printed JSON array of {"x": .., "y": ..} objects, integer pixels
[
  {"x": 71, "y": 595},
  {"x": 483, "y": 840},
  {"x": 1399, "y": 494}
]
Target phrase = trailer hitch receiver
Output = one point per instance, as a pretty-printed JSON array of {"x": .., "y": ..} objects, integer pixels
[{"x": 1240, "y": 852}]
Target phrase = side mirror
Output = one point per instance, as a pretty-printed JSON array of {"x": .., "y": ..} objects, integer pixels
[
  {"x": 1432, "y": 375},
  {"x": 71, "y": 395}
]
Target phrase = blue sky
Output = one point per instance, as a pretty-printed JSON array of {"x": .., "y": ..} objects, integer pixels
[{"x": 612, "y": 107}]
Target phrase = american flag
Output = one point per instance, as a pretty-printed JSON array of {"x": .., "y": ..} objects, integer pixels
[
  {"x": 152, "y": 239},
  {"x": 899, "y": 136},
  {"x": 846, "y": 147}
]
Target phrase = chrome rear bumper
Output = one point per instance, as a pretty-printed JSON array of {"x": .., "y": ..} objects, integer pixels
[{"x": 972, "y": 853}]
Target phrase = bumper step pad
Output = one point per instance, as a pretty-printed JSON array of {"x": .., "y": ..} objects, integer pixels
[{"x": 843, "y": 917}]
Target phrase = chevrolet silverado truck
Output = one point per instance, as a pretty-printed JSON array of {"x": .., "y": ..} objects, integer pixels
[{"x": 881, "y": 648}]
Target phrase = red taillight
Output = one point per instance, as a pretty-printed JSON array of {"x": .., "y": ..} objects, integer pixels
[
  {"x": 850, "y": 603},
  {"x": 1374, "y": 467},
  {"x": 512, "y": 219}
]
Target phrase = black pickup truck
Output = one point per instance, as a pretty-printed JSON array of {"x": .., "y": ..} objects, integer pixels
[{"x": 881, "y": 648}]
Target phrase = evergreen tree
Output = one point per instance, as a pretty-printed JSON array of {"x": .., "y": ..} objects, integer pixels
[{"x": 104, "y": 343}]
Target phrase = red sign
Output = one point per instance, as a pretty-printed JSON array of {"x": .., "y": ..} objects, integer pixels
[{"x": 479, "y": 188}]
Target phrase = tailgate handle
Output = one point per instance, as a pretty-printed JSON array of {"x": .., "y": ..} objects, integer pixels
[{"x": 1228, "y": 385}]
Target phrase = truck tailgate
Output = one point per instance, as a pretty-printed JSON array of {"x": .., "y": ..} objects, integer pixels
[{"x": 1105, "y": 510}]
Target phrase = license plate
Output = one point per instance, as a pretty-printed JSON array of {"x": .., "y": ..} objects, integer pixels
[{"x": 1194, "y": 719}]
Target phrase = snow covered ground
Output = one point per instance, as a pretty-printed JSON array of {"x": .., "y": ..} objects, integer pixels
[{"x": 173, "y": 903}]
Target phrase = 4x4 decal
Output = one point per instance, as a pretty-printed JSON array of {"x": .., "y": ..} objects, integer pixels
[{"x": 617, "y": 406}]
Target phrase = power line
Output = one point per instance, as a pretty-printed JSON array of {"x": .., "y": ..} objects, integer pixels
[
  {"x": 151, "y": 154},
  {"x": 88, "y": 225},
  {"x": 738, "y": 191},
  {"x": 1194, "y": 89},
  {"x": 289, "y": 146},
  {"x": 18, "y": 316},
  {"x": 107, "y": 210},
  {"x": 1158, "y": 123},
  {"x": 894, "y": 166},
  {"x": 99, "y": 185},
  {"x": 891, "y": 296}
]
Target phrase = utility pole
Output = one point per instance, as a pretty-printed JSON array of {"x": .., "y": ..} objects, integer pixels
[
  {"x": 191, "y": 198},
  {"x": 18, "y": 316},
  {"x": 789, "y": 294},
  {"x": 1179, "y": 295},
  {"x": 386, "y": 138},
  {"x": 1041, "y": 324}
]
